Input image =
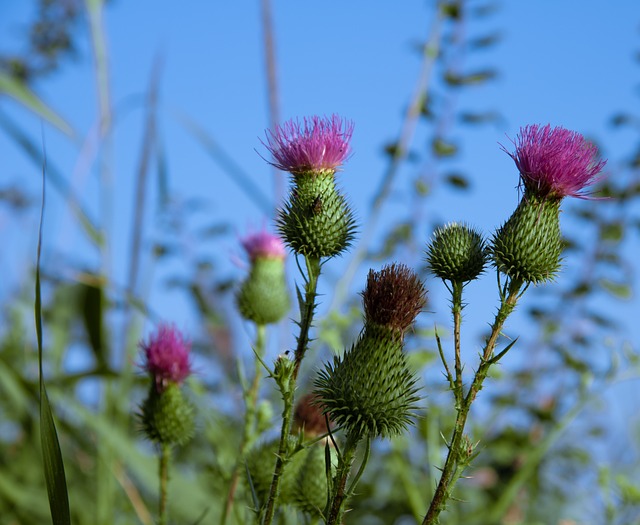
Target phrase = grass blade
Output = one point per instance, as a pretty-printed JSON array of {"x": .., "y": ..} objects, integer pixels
[
  {"x": 52, "y": 457},
  {"x": 20, "y": 92}
]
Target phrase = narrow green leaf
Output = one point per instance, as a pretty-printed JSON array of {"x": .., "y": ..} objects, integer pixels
[
  {"x": 20, "y": 92},
  {"x": 52, "y": 457},
  {"x": 91, "y": 305}
]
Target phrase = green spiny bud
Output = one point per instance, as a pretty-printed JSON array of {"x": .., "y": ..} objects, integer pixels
[
  {"x": 316, "y": 221},
  {"x": 528, "y": 246},
  {"x": 261, "y": 462},
  {"x": 457, "y": 253},
  {"x": 310, "y": 490},
  {"x": 263, "y": 296},
  {"x": 370, "y": 391},
  {"x": 167, "y": 417}
]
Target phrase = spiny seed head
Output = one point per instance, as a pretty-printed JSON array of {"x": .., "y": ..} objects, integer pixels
[
  {"x": 555, "y": 162},
  {"x": 457, "y": 253},
  {"x": 393, "y": 297}
]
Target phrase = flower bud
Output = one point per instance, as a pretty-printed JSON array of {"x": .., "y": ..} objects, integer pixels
[
  {"x": 263, "y": 297},
  {"x": 370, "y": 391},
  {"x": 528, "y": 246},
  {"x": 457, "y": 253}
]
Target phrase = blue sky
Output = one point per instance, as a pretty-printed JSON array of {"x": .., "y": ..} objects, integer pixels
[{"x": 558, "y": 61}]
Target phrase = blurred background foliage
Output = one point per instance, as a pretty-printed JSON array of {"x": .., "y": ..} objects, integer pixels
[{"x": 541, "y": 462}]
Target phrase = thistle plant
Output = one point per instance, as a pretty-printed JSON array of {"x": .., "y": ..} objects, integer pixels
[
  {"x": 167, "y": 417},
  {"x": 553, "y": 163},
  {"x": 262, "y": 299},
  {"x": 316, "y": 223},
  {"x": 371, "y": 392}
]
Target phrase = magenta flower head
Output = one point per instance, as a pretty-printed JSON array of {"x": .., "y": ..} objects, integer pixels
[
  {"x": 555, "y": 162},
  {"x": 263, "y": 245},
  {"x": 315, "y": 145},
  {"x": 167, "y": 357}
]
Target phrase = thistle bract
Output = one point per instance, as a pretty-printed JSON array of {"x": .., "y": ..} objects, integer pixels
[
  {"x": 316, "y": 220},
  {"x": 528, "y": 246},
  {"x": 167, "y": 417},
  {"x": 370, "y": 391},
  {"x": 456, "y": 253}
]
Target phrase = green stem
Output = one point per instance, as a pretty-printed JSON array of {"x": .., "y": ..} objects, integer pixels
[
  {"x": 250, "y": 422},
  {"x": 457, "y": 458},
  {"x": 456, "y": 309},
  {"x": 339, "y": 494},
  {"x": 307, "y": 310},
  {"x": 165, "y": 457}
]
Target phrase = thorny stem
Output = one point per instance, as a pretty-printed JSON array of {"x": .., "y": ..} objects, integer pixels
[
  {"x": 458, "y": 459},
  {"x": 165, "y": 456},
  {"x": 339, "y": 494},
  {"x": 307, "y": 309},
  {"x": 456, "y": 309},
  {"x": 248, "y": 434}
]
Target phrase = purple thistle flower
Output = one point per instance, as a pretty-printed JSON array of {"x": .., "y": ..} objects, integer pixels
[
  {"x": 167, "y": 356},
  {"x": 555, "y": 162},
  {"x": 263, "y": 244},
  {"x": 315, "y": 145}
]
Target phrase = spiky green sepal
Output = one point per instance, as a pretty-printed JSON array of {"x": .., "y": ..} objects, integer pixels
[
  {"x": 457, "y": 253},
  {"x": 168, "y": 417},
  {"x": 528, "y": 246},
  {"x": 263, "y": 296},
  {"x": 316, "y": 221},
  {"x": 370, "y": 391}
]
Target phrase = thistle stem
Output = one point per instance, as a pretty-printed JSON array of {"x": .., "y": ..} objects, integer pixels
[
  {"x": 250, "y": 422},
  {"x": 339, "y": 494},
  {"x": 456, "y": 309},
  {"x": 457, "y": 458},
  {"x": 307, "y": 309},
  {"x": 165, "y": 457}
]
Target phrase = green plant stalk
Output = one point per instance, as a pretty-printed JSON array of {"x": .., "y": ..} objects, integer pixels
[
  {"x": 339, "y": 494},
  {"x": 456, "y": 309},
  {"x": 456, "y": 460},
  {"x": 248, "y": 434},
  {"x": 165, "y": 457},
  {"x": 307, "y": 309}
]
